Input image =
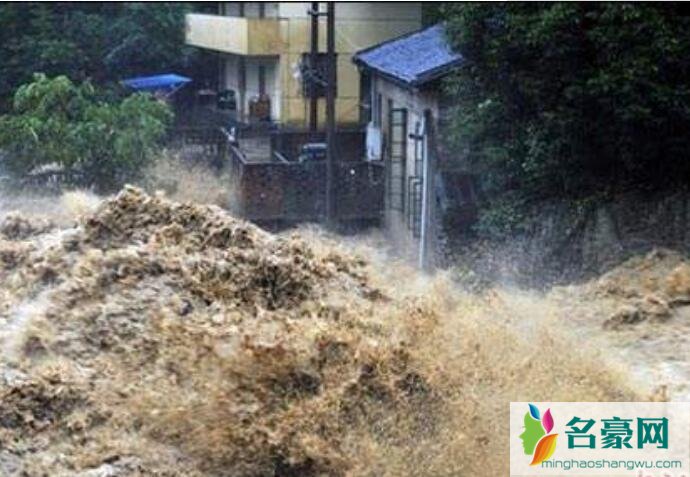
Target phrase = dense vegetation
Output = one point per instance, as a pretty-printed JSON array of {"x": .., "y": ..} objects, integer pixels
[
  {"x": 61, "y": 106},
  {"x": 103, "y": 42},
  {"x": 569, "y": 100},
  {"x": 58, "y": 125}
]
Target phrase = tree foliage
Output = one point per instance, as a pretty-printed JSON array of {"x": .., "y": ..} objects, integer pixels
[
  {"x": 103, "y": 42},
  {"x": 57, "y": 123},
  {"x": 570, "y": 99}
]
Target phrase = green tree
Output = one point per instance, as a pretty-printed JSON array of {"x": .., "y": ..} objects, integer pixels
[
  {"x": 58, "y": 123},
  {"x": 103, "y": 42},
  {"x": 149, "y": 38},
  {"x": 570, "y": 100}
]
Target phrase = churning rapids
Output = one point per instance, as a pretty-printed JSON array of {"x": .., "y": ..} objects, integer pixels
[{"x": 142, "y": 336}]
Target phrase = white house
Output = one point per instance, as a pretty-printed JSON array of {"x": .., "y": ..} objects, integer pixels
[{"x": 402, "y": 93}]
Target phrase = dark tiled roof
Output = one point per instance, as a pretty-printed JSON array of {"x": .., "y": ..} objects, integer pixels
[{"x": 412, "y": 59}]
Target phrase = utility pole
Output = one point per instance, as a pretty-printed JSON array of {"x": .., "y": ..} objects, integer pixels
[
  {"x": 313, "y": 60},
  {"x": 330, "y": 116}
]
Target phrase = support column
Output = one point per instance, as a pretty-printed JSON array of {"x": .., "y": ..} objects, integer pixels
[
  {"x": 330, "y": 116},
  {"x": 313, "y": 59},
  {"x": 242, "y": 80}
]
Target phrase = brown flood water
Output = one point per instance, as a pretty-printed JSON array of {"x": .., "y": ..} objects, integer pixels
[{"x": 142, "y": 336}]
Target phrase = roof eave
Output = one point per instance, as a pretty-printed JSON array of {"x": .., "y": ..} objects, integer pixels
[
  {"x": 419, "y": 81},
  {"x": 438, "y": 72},
  {"x": 393, "y": 79}
]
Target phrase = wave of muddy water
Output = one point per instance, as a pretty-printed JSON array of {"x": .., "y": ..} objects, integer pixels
[{"x": 147, "y": 337}]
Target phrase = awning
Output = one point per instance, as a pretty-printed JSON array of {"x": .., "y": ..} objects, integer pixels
[{"x": 168, "y": 83}]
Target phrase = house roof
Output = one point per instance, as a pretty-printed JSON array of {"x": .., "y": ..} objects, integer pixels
[{"x": 412, "y": 59}]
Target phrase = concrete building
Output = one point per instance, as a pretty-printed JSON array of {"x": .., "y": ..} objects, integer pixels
[
  {"x": 262, "y": 45},
  {"x": 402, "y": 94}
]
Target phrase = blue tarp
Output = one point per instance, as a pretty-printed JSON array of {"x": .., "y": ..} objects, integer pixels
[{"x": 168, "y": 82}]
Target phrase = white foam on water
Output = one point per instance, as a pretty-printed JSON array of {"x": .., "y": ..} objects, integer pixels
[{"x": 13, "y": 333}]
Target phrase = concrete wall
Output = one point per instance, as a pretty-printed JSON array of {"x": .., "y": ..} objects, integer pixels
[
  {"x": 567, "y": 241},
  {"x": 367, "y": 11},
  {"x": 232, "y": 72},
  {"x": 211, "y": 32},
  {"x": 236, "y": 35},
  {"x": 415, "y": 102}
]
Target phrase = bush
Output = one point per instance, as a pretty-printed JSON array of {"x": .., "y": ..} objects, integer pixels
[{"x": 59, "y": 124}]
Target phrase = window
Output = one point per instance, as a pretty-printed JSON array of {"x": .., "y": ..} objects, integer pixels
[
  {"x": 365, "y": 106},
  {"x": 378, "y": 111},
  {"x": 418, "y": 138}
]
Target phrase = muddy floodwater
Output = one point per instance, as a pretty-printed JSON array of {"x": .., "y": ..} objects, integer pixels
[{"x": 144, "y": 336}]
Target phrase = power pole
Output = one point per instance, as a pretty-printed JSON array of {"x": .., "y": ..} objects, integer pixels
[
  {"x": 330, "y": 115},
  {"x": 313, "y": 60}
]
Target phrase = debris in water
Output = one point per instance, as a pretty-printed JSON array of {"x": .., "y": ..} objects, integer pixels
[{"x": 15, "y": 226}]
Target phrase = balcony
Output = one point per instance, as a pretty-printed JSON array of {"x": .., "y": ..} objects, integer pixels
[{"x": 237, "y": 35}]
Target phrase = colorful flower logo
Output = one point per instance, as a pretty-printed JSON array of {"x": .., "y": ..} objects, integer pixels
[{"x": 536, "y": 439}]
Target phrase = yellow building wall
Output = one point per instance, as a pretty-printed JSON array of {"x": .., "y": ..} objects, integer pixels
[
  {"x": 287, "y": 35},
  {"x": 211, "y": 32},
  {"x": 295, "y": 107},
  {"x": 352, "y": 35}
]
